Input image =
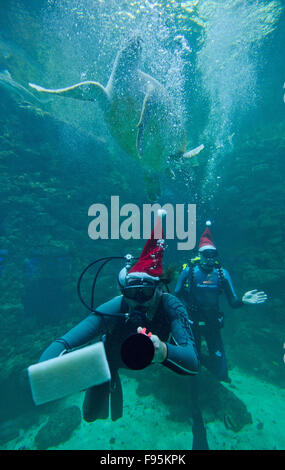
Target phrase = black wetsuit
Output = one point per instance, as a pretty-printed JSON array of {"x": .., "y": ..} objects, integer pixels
[
  {"x": 200, "y": 291},
  {"x": 170, "y": 320}
]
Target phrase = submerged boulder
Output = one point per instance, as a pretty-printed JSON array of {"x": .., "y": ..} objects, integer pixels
[
  {"x": 222, "y": 404},
  {"x": 216, "y": 401},
  {"x": 59, "y": 428},
  {"x": 8, "y": 431}
]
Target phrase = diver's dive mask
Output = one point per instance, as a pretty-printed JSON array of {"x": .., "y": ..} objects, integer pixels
[
  {"x": 208, "y": 258},
  {"x": 139, "y": 291},
  {"x": 210, "y": 254}
]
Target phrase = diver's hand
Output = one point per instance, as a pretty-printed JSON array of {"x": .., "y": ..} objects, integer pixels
[
  {"x": 254, "y": 297},
  {"x": 160, "y": 348}
]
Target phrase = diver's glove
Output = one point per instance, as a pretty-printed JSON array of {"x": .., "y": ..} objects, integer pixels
[
  {"x": 254, "y": 297},
  {"x": 160, "y": 348}
]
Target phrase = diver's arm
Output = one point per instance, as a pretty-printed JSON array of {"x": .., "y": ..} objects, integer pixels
[
  {"x": 229, "y": 290},
  {"x": 87, "y": 330},
  {"x": 179, "y": 289},
  {"x": 182, "y": 356},
  {"x": 180, "y": 282}
]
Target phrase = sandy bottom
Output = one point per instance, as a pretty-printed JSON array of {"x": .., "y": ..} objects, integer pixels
[{"x": 144, "y": 425}]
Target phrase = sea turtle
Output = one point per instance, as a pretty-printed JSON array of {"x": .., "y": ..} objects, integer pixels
[{"x": 139, "y": 113}]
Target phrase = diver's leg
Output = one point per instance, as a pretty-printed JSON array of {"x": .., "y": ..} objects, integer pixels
[
  {"x": 198, "y": 428},
  {"x": 96, "y": 402},
  {"x": 217, "y": 360}
]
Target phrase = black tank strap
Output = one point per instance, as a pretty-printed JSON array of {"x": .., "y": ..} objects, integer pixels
[
  {"x": 221, "y": 275},
  {"x": 192, "y": 266}
]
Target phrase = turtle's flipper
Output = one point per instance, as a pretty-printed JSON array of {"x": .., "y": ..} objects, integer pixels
[
  {"x": 85, "y": 91},
  {"x": 193, "y": 152},
  {"x": 144, "y": 118}
]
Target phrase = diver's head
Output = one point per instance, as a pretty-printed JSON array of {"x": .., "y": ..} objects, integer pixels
[
  {"x": 208, "y": 257},
  {"x": 207, "y": 250},
  {"x": 139, "y": 289}
]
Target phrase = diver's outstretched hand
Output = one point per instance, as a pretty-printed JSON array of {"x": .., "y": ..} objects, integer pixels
[
  {"x": 160, "y": 348},
  {"x": 254, "y": 297}
]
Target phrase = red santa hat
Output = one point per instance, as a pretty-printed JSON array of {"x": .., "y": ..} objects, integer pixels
[
  {"x": 206, "y": 240},
  {"x": 149, "y": 264}
]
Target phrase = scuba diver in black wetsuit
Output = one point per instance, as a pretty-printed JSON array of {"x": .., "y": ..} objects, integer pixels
[
  {"x": 199, "y": 286},
  {"x": 147, "y": 308}
]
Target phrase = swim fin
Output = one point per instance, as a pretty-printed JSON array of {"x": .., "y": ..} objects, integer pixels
[
  {"x": 98, "y": 399},
  {"x": 199, "y": 433},
  {"x": 198, "y": 428},
  {"x": 116, "y": 396},
  {"x": 96, "y": 402}
]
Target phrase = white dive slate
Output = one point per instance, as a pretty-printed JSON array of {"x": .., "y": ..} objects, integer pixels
[{"x": 69, "y": 373}]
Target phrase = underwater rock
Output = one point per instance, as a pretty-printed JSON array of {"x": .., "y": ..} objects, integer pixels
[
  {"x": 8, "y": 431},
  {"x": 59, "y": 428},
  {"x": 216, "y": 401},
  {"x": 223, "y": 403}
]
